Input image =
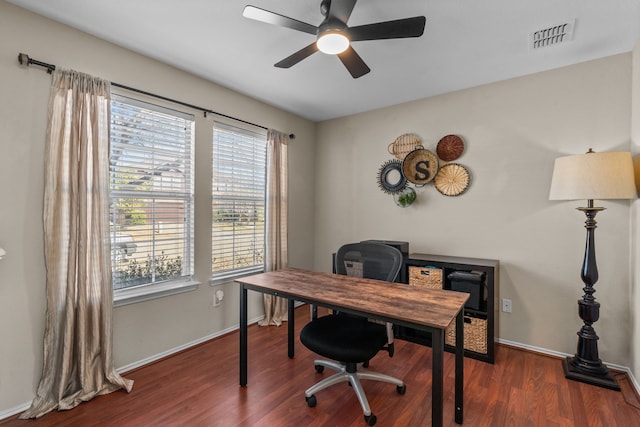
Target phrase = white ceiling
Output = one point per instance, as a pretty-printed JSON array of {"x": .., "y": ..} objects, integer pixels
[{"x": 466, "y": 43}]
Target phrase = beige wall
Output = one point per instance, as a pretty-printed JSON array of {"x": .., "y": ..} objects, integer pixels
[
  {"x": 140, "y": 330},
  {"x": 513, "y": 131}
]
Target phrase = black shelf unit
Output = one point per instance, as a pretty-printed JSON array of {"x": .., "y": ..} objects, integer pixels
[{"x": 485, "y": 317}]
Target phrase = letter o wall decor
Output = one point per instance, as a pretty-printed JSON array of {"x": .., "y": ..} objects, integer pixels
[{"x": 390, "y": 177}]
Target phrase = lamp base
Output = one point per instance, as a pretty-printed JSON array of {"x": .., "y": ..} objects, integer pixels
[{"x": 598, "y": 374}]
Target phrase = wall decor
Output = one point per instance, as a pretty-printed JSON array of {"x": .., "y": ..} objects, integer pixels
[
  {"x": 420, "y": 166},
  {"x": 405, "y": 197},
  {"x": 452, "y": 179},
  {"x": 413, "y": 164},
  {"x": 450, "y": 147},
  {"x": 403, "y": 145},
  {"x": 390, "y": 177}
]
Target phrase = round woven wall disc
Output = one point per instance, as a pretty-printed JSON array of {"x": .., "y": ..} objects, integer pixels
[
  {"x": 452, "y": 179},
  {"x": 450, "y": 147},
  {"x": 420, "y": 166},
  {"x": 390, "y": 177},
  {"x": 403, "y": 145}
]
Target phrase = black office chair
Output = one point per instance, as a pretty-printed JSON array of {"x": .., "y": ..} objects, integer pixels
[{"x": 352, "y": 340}]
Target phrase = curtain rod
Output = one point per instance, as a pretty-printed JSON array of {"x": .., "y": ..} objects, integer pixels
[{"x": 25, "y": 60}]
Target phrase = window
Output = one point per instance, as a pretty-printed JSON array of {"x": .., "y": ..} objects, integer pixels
[
  {"x": 239, "y": 157},
  {"x": 151, "y": 195}
]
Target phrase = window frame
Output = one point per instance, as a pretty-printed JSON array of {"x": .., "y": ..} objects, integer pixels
[
  {"x": 184, "y": 282},
  {"x": 253, "y": 134}
]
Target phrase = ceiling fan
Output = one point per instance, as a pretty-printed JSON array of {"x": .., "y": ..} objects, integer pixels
[{"x": 334, "y": 36}]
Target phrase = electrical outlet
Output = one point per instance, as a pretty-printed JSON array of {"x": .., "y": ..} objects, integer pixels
[
  {"x": 506, "y": 305},
  {"x": 218, "y": 296}
]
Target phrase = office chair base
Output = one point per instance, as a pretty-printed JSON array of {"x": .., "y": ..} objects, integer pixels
[{"x": 353, "y": 378}]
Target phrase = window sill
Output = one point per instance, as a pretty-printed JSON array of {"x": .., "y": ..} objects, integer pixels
[
  {"x": 144, "y": 293},
  {"x": 231, "y": 277}
]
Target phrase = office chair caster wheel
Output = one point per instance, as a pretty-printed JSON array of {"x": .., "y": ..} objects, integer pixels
[
  {"x": 311, "y": 401},
  {"x": 370, "y": 419},
  {"x": 401, "y": 389},
  {"x": 319, "y": 369}
]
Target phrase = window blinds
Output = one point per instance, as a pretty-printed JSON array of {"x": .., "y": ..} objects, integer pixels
[
  {"x": 151, "y": 193},
  {"x": 238, "y": 201}
]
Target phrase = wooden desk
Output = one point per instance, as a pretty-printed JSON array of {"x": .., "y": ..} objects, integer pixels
[{"x": 431, "y": 310}]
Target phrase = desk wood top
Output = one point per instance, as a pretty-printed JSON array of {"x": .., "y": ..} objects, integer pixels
[{"x": 389, "y": 301}]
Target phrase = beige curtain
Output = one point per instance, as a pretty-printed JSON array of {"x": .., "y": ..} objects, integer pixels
[
  {"x": 77, "y": 341},
  {"x": 275, "y": 308}
]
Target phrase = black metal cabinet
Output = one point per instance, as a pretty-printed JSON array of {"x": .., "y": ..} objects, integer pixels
[{"x": 480, "y": 318}]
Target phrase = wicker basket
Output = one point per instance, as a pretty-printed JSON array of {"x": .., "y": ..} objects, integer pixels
[
  {"x": 452, "y": 179},
  {"x": 403, "y": 145},
  {"x": 430, "y": 277},
  {"x": 475, "y": 334}
]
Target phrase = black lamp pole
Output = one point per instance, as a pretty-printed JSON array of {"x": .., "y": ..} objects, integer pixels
[{"x": 585, "y": 365}]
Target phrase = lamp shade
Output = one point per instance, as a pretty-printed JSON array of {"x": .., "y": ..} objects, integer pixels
[{"x": 590, "y": 176}]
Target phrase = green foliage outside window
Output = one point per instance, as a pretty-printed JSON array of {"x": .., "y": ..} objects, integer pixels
[
  {"x": 131, "y": 209},
  {"x": 134, "y": 272}
]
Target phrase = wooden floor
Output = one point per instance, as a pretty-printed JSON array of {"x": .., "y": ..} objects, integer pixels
[{"x": 199, "y": 387}]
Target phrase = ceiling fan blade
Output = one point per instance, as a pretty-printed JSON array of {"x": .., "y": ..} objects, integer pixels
[
  {"x": 298, "y": 56},
  {"x": 341, "y": 9},
  {"x": 269, "y": 17},
  {"x": 397, "y": 29},
  {"x": 354, "y": 63}
]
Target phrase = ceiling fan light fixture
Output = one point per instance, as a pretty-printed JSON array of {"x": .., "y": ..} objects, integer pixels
[
  {"x": 332, "y": 42},
  {"x": 334, "y": 35}
]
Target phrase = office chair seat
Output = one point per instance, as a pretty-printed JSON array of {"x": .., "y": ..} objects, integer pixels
[
  {"x": 351, "y": 341},
  {"x": 344, "y": 338}
]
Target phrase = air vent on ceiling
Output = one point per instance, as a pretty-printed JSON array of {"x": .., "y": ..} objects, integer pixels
[{"x": 552, "y": 35}]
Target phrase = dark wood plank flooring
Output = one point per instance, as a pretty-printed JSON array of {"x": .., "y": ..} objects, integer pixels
[{"x": 199, "y": 387}]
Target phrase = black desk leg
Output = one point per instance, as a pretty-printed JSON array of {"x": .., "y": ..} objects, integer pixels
[
  {"x": 437, "y": 376},
  {"x": 243, "y": 336},
  {"x": 291, "y": 326},
  {"x": 459, "y": 396}
]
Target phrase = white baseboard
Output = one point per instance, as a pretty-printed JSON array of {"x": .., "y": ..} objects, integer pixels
[
  {"x": 14, "y": 411},
  {"x": 634, "y": 380},
  {"x": 123, "y": 369},
  {"x": 155, "y": 357}
]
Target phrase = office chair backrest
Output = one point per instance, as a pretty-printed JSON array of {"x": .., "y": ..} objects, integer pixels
[{"x": 369, "y": 260}]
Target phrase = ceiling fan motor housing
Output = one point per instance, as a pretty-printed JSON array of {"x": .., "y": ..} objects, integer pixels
[{"x": 324, "y": 7}]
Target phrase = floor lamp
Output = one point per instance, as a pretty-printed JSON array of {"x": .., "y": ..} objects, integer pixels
[{"x": 587, "y": 177}]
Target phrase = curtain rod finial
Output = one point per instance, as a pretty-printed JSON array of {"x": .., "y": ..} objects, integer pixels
[
  {"x": 23, "y": 59},
  {"x": 292, "y": 136}
]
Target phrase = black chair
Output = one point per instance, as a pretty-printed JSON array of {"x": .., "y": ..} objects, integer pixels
[{"x": 352, "y": 340}]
